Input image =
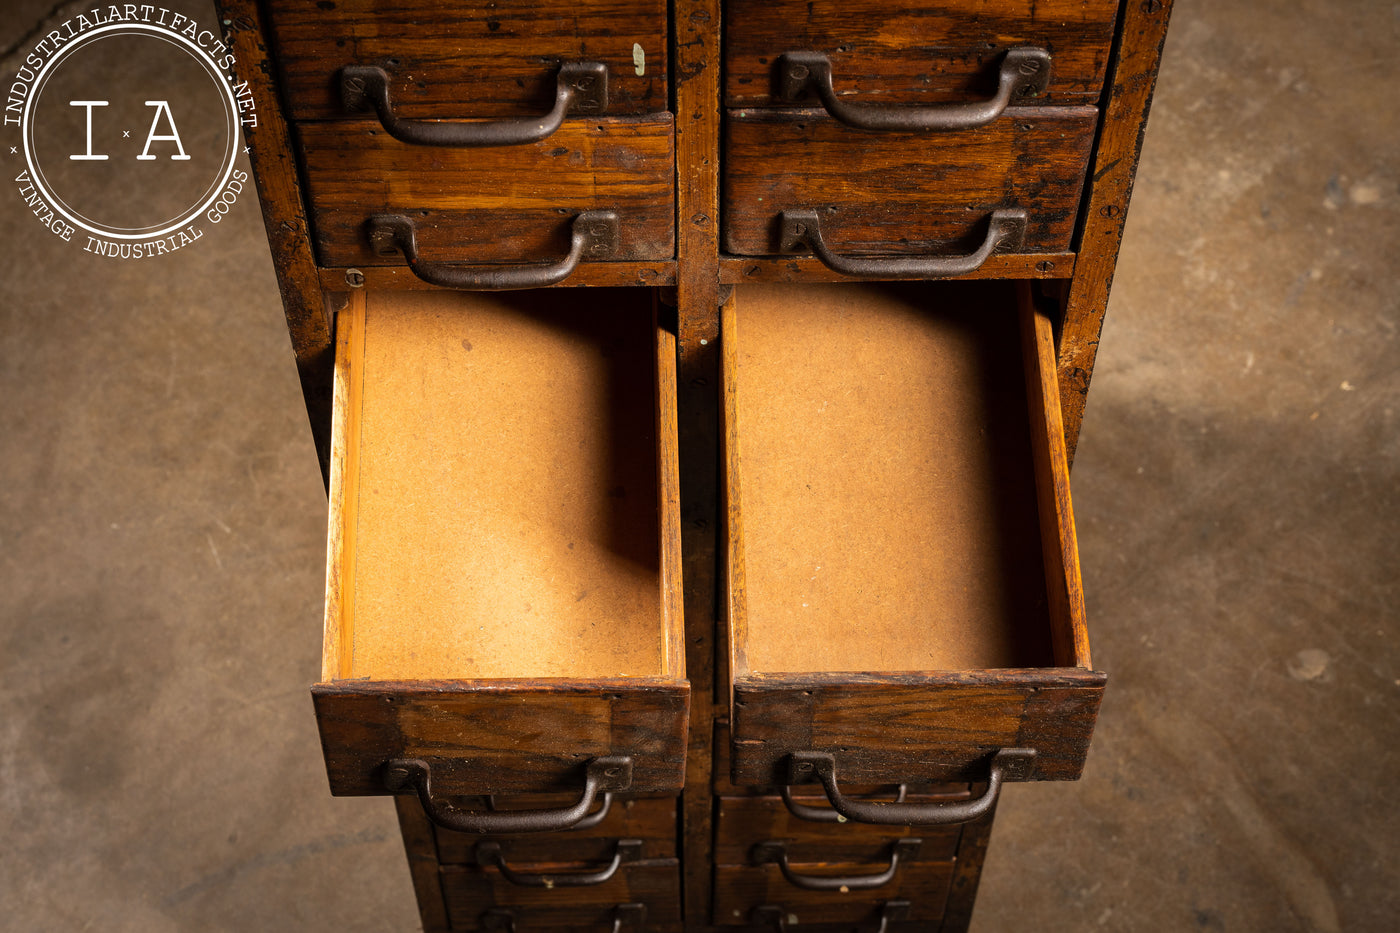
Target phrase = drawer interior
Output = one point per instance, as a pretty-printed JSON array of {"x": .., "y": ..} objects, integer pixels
[
  {"x": 884, "y": 510},
  {"x": 498, "y": 510}
]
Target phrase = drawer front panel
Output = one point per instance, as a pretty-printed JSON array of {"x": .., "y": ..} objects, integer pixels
[
  {"x": 741, "y": 888},
  {"x": 901, "y": 194},
  {"x": 471, "y": 893},
  {"x": 916, "y": 53},
  {"x": 650, "y": 819},
  {"x": 746, "y": 821},
  {"x": 501, "y": 204},
  {"x": 468, "y": 60}
]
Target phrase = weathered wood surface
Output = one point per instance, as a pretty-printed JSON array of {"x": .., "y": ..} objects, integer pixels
[
  {"x": 472, "y": 59},
  {"x": 697, "y": 68},
  {"x": 736, "y": 270},
  {"x": 1059, "y": 546},
  {"x": 916, "y": 53},
  {"x": 967, "y": 873},
  {"x": 745, "y": 821},
  {"x": 588, "y": 275},
  {"x": 904, "y": 193},
  {"x": 470, "y": 892},
  {"x": 497, "y": 737},
  {"x": 421, "y": 848},
  {"x": 741, "y": 888},
  {"x": 1134, "y": 75},
  {"x": 503, "y": 204},
  {"x": 885, "y": 728},
  {"x": 284, "y": 216},
  {"x": 651, "y": 819}
]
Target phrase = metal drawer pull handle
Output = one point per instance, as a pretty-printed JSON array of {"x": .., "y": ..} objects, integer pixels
[
  {"x": 588, "y": 822},
  {"x": 822, "y": 814},
  {"x": 766, "y": 853},
  {"x": 801, "y": 231},
  {"x": 594, "y": 235},
  {"x": 579, "y": 86},
  {"x": 1024, "y": 72},
  {"x": 488, "y": 854},
  {"x": 413, "y": 775},
  {"x": 1008, "y": 764},
  {"x": 775, "y": 916},
  {"x": 626, "y": 918}
]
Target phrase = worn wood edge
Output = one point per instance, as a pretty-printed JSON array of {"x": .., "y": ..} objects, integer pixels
[
  {"x": 668, "y": 490},
  {"x": 420, "y": 846},
  {"x": 587, "y": 275},
  {"x": 736, "y": 589},
  {"x": 1064, "y": 587},
  {"x": 1032, "y": 678},
  {"x": 967, "y": 873},
  {"x": 284, "y": 216},
  {"x": 512, "y": 686},
  {"x": 695, "y": 65},
  {"x": 737, "y": 270},
  {"x": 338, "y": 644},
  {"x": 1132, "y": 78}
]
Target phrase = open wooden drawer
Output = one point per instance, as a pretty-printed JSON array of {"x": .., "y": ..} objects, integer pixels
[
  {"x": 503, "y": 608},
  {"x": 904, "y": 598}
]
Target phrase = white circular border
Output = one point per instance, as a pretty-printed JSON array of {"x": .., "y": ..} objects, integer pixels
[{"x": 199, "y": 55}]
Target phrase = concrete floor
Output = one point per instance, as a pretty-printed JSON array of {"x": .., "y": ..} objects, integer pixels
[{"x": 162, "y": 545}]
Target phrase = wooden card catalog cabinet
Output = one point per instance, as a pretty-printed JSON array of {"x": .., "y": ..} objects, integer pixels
[{"x": 696, "y": 385}]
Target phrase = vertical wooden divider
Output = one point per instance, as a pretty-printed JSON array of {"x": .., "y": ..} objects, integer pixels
[{"x": 696, "y": 66}]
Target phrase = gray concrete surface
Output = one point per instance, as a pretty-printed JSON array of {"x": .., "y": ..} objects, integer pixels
[{"x": 162, "y": 545}]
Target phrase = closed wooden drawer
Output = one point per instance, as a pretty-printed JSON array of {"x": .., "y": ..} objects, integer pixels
[
  {"x": 484, "y": 900},
  {"x": 902, "y": 194},
  {"x": 503, "y": 611},
  {"x": 741, "y": 893},
  {"x": 468, "y": 60},
  {"x": 491, "y": 205},
  {"x": 904, "y": 592},
  {"x": 918, "y": 53},
  {"x": 652, "y": 820},
  {"x": 748, "y": 822}
]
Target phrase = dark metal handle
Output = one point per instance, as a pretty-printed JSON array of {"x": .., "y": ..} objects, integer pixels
[
  {"x": 801, "y": 230},
  {"x": 588, "y": 822},
  {"x": 776, "y": 916},
  {"x": 594, "y": 235},
  {"x": 488, "y": 854},
  {"x": 821, "y": 814},
  {"x": 1008, "y": 764},
  {"x": 579, "y": 86},
  {"x": 626, "y": 918},
  {"x": 413, "y": 775},
  {"x": 1025, "y": 72},
  {"x": 776, "y": 851}
]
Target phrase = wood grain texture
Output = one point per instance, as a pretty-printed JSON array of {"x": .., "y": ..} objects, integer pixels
[
  {"x": 502, "y": 204},
  {"x": 470, "y": 892},
  {"x": 967, "y": 873},
  {"x": 746, "y": 821},
  {"x": 736, "y": 270},
  {"x": 422, "y": 851},
  {"x": 1134, "y": 75},
  {"x": 651, "y": 819},
  {"x": 888, "y": 728},
  {"x": 285, "y": 218},
  {"x": 696, "y": 96},
  {"x": 904, "y": 193},
  {"x": 587, "y": 275},
  {"x": 741, "y": 888},
  {"x": 1059, "y": 546},
  {"x": 471, "y": 59},
  {"x": 502, "y": 736},
  {"x": 916, "y": 53}
]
